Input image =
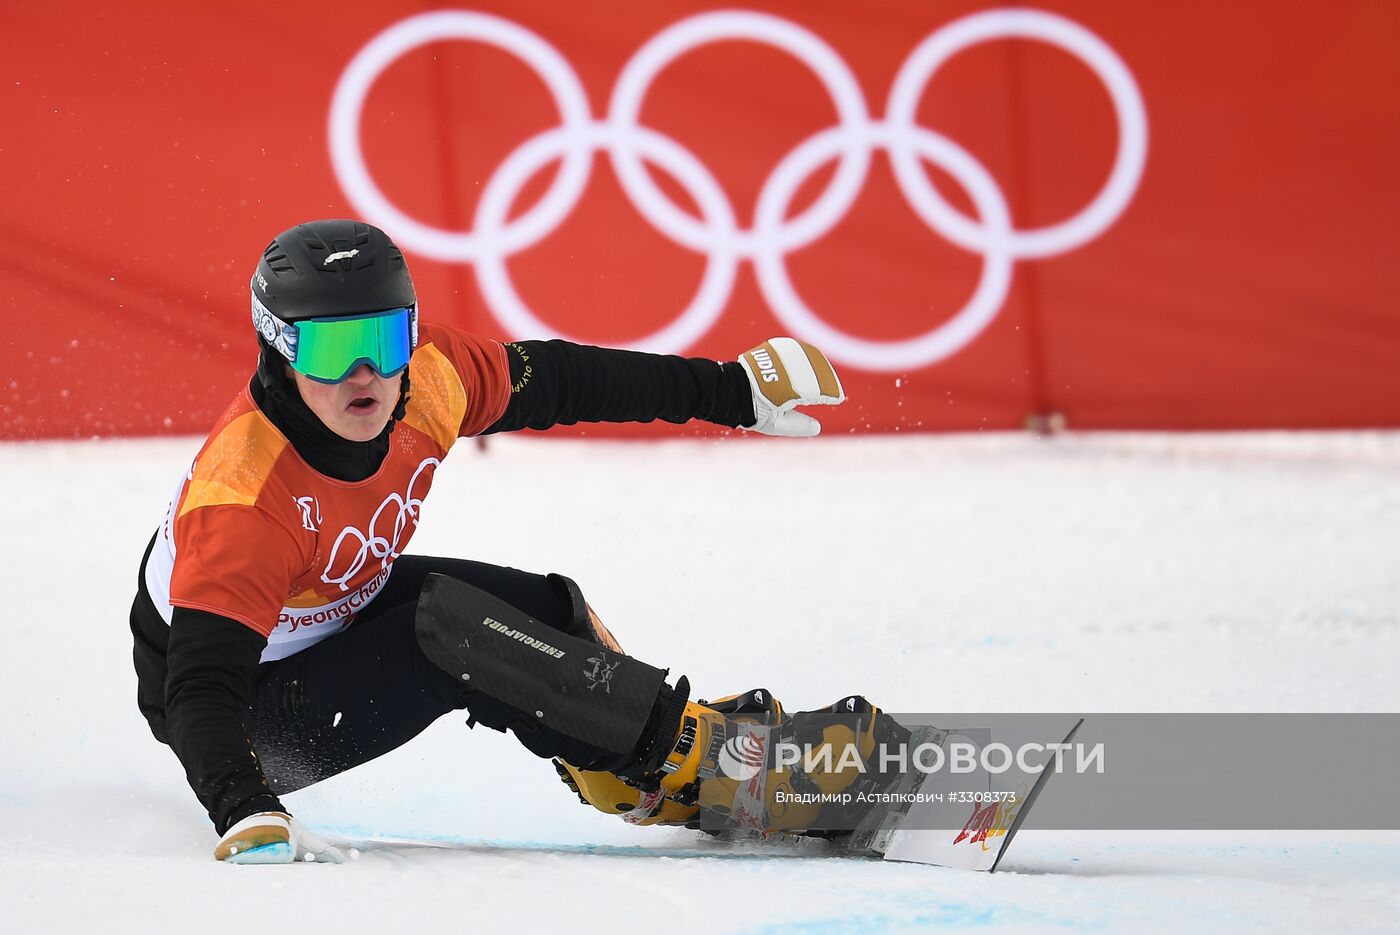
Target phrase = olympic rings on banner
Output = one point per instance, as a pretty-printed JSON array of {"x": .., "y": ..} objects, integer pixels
[{"x": 717, "y": 232}]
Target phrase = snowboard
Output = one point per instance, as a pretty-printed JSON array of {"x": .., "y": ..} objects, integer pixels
[{"x": 965, "y": 821}]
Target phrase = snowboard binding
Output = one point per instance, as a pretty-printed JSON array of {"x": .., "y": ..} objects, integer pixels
[{"x": 719, "y": 772}]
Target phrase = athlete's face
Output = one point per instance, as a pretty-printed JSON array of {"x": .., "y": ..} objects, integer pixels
[{"x": 358, "y": 407}]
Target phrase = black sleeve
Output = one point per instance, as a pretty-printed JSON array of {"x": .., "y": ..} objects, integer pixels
[
  {"x": 213, "y": 662},
  {"x": 559, "y": 383}
]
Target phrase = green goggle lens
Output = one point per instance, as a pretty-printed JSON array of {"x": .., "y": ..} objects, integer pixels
[{"x": 328, "y": 349}]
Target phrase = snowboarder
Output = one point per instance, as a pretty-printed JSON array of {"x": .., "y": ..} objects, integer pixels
[{"x": 274, "y": 621}]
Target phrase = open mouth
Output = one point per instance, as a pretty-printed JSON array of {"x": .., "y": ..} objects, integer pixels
[{"x": 362, "y": 403}]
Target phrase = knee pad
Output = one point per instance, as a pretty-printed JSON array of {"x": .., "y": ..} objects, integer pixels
[{"x": 571, "y": 685}]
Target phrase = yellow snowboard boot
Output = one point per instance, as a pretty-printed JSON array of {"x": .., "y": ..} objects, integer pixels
[{"x": 667, "y": 792}]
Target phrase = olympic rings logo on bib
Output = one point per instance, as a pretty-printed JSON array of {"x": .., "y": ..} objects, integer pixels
[{"x": 717, "y": 233}]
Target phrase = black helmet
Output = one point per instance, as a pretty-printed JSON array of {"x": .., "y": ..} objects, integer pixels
[{"x": 323, "y": 269}]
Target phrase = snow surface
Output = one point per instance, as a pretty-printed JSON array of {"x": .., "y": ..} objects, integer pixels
[{"x": 999, "y": 572}]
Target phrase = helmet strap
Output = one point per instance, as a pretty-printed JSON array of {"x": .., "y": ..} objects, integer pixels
[
  {"x": 401, "y": 407},
  {"x": 272, "y": 375}
]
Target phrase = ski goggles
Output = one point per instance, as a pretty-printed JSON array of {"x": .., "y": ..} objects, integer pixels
[{"x": 328, "y": 349}]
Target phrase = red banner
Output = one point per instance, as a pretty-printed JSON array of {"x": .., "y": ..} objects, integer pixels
[{"x": 1125, "y": 216}]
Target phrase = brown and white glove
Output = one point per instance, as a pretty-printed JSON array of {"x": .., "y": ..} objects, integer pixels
[
  {"x": 785, "y": 373},
  {"x": 274, "y": 838}
]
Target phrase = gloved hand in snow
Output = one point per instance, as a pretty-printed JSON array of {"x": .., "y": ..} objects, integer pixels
[
  {"x": 785, "y": 373},
  {"x": 274, "y": 838}
]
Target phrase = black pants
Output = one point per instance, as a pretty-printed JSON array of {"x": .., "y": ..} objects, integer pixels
[{"x": 361, "y": 693}]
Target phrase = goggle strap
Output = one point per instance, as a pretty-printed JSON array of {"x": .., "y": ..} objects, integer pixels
[{"x": 280, "y": 334}]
